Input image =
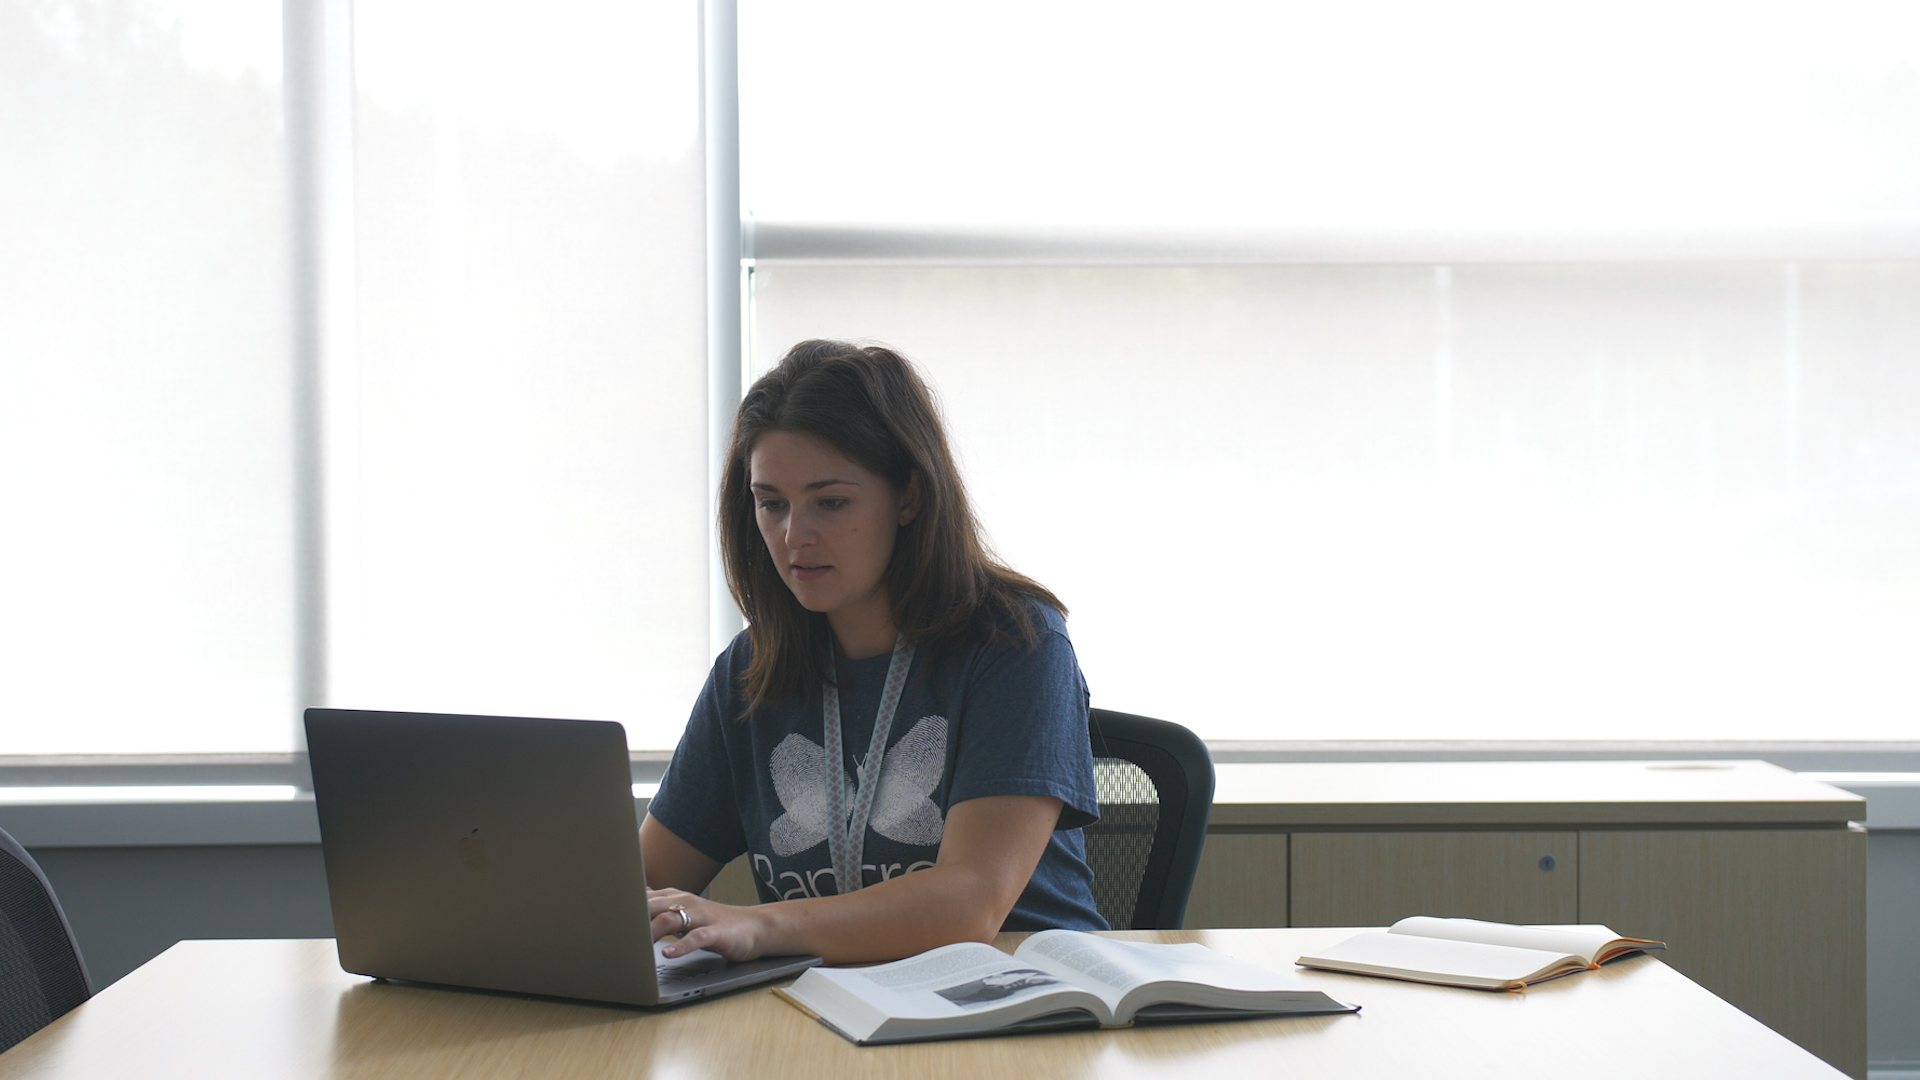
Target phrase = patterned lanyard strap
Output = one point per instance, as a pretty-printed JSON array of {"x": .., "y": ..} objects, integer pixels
[{"x": 850, "y": 806}]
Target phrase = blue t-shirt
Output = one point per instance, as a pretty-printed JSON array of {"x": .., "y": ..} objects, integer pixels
[{"x": 973, "y": 721}]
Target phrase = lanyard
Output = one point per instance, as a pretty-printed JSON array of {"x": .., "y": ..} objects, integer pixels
[{"x": 850, "y": 806}]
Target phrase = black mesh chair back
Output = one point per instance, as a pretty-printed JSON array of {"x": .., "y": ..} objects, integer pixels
[
  {"x": 41, "y": 973},
  {"x": 1155, "y": 783}
]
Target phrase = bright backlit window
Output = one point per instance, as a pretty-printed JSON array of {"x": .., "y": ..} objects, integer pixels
[
  {"x": 513, "y": 456},
  {"x": 1369, "y": 370},
  {"x": 146, "y": 569},
  {"x": 1367, "y": 115},
  {"x": 1463, "y": 371},
  {"x": 521, "y": 527}
]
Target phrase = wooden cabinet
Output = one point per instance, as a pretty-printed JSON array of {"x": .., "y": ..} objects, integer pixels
[
  {"x": 734, "y": 885},
  {"x": 1772, "y": 920},
  {"x": 1242, "y": 881},
  {"x": 1378, "y": 878},
  {"x": 1754, "y": 877}
]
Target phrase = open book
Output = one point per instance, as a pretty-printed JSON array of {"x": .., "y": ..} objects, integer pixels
[
  {"x": 1055, "y": 979},
  {"x": 1468, "y": 952}
]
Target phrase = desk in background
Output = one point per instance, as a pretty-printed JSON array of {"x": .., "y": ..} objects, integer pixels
[
  {"x": 284, "y": 1009},
  {"x": 1755, "y": 877}
]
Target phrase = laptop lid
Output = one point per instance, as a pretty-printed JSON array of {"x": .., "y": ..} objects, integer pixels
[{"x": 492, "y": 852}]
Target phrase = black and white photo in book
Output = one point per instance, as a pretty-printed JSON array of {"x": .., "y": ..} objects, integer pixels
[{"x": 991, "y": 988}]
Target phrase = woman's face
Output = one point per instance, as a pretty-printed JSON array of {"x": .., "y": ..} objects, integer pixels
[{"x": 829, "y": 526}]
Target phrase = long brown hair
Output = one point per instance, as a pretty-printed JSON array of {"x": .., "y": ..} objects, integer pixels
[{"x": 943, "y": 584}]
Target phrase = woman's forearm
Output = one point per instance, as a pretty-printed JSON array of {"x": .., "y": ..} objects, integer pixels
[
  {"x": 987, "y": 855},
  {"x": 986, "y": 858},
  {"x": 906, "y": 915}
]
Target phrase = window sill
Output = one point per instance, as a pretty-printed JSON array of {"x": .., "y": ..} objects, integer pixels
[
  {"x": 188, "y": 816},
  {"x": 219, "y": 800}
]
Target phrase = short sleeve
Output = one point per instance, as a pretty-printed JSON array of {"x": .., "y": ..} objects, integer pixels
[
  {"x": 1023, "y": 729},
  {"x": 698, "y": 798}
]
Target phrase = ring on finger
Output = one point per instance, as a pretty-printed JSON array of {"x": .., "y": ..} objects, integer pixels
[{"x": 686, "y": 920}]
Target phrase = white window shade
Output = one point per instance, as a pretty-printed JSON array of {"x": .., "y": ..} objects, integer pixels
[
  {"x": 1626, "y": 501},
  {"x": 1394, "y": 370},
  {"x": 146, "y": 578},
  {"x": 520, "y": 516},
  {"x": 1352, "y": 117}
]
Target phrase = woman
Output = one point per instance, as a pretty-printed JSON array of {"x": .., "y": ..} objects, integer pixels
[{"x": 874, "y": 609}]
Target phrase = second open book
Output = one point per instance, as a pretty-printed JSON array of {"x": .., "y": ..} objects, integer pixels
[{"x": 1471, "y": 953}]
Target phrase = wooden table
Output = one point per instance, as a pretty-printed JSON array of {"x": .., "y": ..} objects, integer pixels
[{"x": 284, "y": 1009}]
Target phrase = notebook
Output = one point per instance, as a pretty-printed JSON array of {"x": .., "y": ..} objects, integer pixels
[{"x": 496, "y": 853}]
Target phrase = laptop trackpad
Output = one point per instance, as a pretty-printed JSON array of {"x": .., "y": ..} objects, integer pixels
[{"x": 680, "y": 968}]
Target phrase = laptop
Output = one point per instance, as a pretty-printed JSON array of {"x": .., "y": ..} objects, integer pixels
[{"x": 497, "y": 853}]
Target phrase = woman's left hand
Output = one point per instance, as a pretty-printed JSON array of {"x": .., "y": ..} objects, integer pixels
[{"x": 737, "y": 933}]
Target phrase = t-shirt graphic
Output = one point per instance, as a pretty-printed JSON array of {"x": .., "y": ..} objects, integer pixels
[{"x": 903, "y": 810}]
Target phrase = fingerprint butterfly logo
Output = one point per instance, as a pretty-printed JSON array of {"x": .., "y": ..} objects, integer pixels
[{"x": 902, "y": 809}]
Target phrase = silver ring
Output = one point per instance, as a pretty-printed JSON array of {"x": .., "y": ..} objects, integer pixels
[{"x": 686, "y": 920}]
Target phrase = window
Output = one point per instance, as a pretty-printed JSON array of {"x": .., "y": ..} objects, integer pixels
[
  {"x": 523, "y": 530},
  {"x": 146, "y": 564},
  {"x": 1353, "y": 371},
  {"x": 1396, "y": 371},
  {"x": 504, "y": 299}
]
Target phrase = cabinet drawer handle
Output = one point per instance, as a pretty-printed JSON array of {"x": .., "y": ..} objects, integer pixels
[{"x": 1547, "y": 862}]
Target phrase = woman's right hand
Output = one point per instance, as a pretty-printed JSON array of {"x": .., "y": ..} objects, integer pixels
[{"x": 737, "y": 933}]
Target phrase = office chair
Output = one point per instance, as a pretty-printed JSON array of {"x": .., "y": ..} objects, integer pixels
[
  {"x": 41, "y": 973},
  {"x": 1155, "y": 784}
]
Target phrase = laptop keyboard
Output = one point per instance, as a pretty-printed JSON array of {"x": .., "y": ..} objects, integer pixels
[
  {"x": 694, "y": 966},
  {"x": 674, "y": 976}
]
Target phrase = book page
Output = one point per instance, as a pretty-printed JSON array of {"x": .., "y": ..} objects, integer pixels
[
  {"x": 1619, "y": 946},
  {"x": 1095, "y": 964},
  {"x": 1123, "y": 973},
  {"x": 969, "y": 977},
  {"x": 1445, "y": 960},
  {"x": 954, "y": 989},
  {"x": 933, "y": 968},
  {"x": 1582, "y": 942}
]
